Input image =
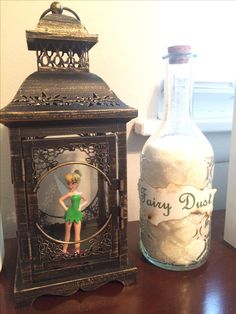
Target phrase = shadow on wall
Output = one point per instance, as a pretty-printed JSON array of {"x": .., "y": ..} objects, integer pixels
[
  {"x": 136, "y": 142},
  {"x": 7, "y": 205}
]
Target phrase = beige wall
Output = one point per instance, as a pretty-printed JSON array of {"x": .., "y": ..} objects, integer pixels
[{"x": 127, "y": 58}]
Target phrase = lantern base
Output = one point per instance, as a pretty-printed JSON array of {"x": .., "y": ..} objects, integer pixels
[{"x": 27, "y": 294}]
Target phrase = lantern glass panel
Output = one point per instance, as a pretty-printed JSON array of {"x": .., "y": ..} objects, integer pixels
[{"x": 52, "y": 215}]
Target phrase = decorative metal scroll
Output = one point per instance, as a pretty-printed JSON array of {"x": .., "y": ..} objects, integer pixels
[
  {"x": 63, "y": 60},
  {"x": 73, "y": 242},
  {"x": 45, "y": 158},
  {"x": 99, "y": 244},
  {"x": 59, "y": 100}
]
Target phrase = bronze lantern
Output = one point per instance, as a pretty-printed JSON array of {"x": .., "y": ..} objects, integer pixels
[{"x": 66, "y": 120}]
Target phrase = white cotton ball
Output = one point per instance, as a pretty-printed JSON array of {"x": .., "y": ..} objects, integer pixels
[
  {"x": 177, "y": 241},
  {"x": 176, "y": 159}
]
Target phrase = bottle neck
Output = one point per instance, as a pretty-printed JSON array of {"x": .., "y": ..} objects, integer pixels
[{"x": 178, "y": 92}]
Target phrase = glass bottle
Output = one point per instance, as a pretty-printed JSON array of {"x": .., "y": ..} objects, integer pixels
[{"x": 175, "y": 186}]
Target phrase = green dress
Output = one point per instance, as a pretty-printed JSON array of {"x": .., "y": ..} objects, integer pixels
[{"x": 73, "y": 214}]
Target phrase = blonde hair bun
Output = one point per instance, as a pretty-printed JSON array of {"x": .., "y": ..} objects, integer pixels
[{"x": 73, "y": 177}]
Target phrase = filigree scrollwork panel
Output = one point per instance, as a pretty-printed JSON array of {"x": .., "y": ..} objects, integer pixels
[
  {"x": 54, "y": 101},
  {"x": 45, "y": 158},
  {"x": 62, "y": 57},
  {"x": 50, "y": 251}
]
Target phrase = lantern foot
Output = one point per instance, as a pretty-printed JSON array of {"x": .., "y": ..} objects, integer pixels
[{"x": 26, "y": 294}]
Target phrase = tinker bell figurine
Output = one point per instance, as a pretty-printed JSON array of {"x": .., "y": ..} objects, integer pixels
[{"x": 73, "y": 213}]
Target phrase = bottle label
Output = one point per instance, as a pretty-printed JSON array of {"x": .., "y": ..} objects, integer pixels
[{"x": 173, "y": 202}]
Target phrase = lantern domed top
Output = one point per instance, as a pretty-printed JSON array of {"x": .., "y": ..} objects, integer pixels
[{"x": 59, "y": 31}]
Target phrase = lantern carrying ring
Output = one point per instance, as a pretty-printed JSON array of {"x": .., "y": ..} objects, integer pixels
[{"x": 56, "y": 8}]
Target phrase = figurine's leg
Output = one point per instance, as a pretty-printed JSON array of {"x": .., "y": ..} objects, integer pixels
[
  {"x": 77, "y": 227},
  {"x": 67, "y": 235}
]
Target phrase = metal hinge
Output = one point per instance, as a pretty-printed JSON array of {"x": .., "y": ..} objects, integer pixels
[
  {"x": 119, "y": 184},
  {"x": 123, "y": 217}
]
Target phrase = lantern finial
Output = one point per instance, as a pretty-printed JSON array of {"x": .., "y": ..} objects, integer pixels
[{"x": 56, "y": 7}]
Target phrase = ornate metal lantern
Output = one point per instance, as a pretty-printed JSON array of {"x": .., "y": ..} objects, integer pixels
[{"x": 65, "y": 120}]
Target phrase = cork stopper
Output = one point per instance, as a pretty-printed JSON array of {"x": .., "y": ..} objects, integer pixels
[
  {"x": 179, "y": 54},
  {"x": 180, "y": 49}
]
